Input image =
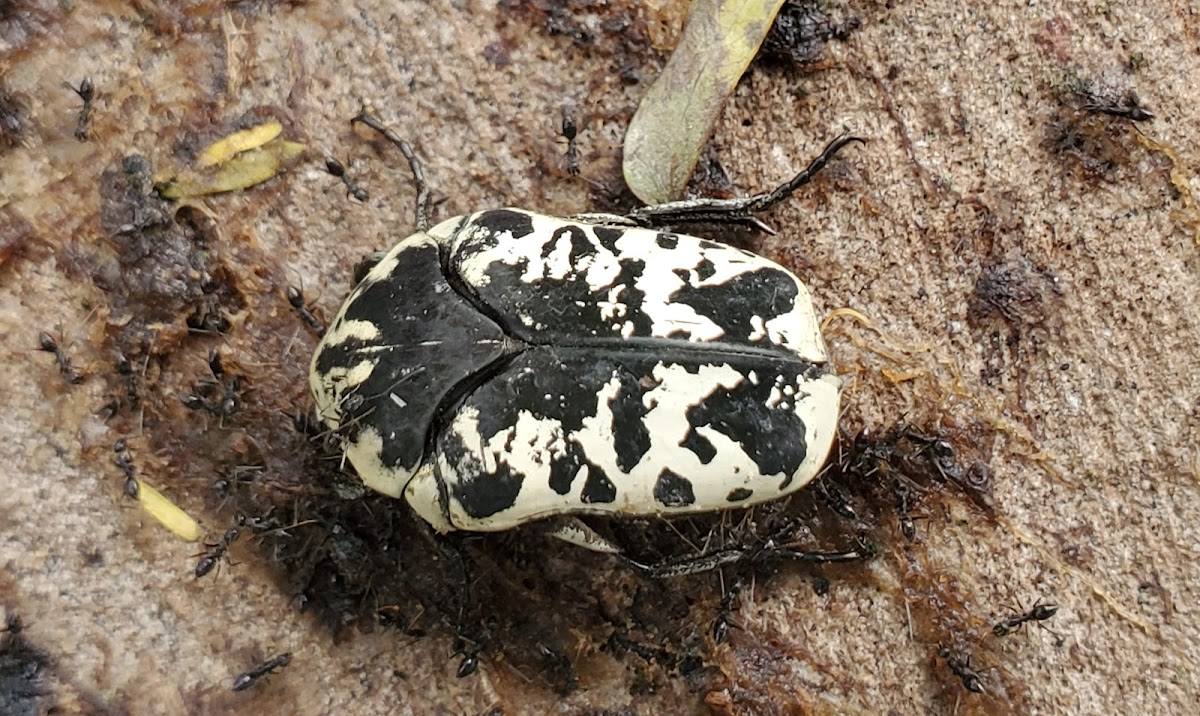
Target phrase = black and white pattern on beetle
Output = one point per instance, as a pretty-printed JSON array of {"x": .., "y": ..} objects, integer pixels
[{"x": 507, "y": 366}]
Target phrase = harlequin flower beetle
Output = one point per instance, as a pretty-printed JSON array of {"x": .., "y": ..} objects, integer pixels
[{"x": 507, "y": 367}]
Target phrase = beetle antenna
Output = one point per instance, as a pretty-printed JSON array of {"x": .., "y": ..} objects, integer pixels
[
  {"x": 762, "y": 202},
  {"x": 422, "y": 215}
]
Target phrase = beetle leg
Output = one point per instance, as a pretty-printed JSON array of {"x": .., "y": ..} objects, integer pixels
[
  {"x": 605, "y": 219},
  {"x": 690, "y": 565},
  {"x": 741, "y": 210},
  {"x": 468, "y": 642},
  {"x": 769, "y": 552},
  {"x": 414, "y": 164},
  {"x": 575, "y": 531},
  {"x": 362, "y": 268}
]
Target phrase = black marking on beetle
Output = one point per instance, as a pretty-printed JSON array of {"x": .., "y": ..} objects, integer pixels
[
  {"x": 705, "y": 269},
  {"x": 581, "y": 247},
  {"x": 598, "y": 488},
  {"x": 499, "y": 221},
  {"x": 561, "y": 476},
  {"x": 633, "y": 297},
  {"x": 482, "y": 493},
  {"x": 700, "y": 446},
  {"x": 608, "y": 236},
  {"x": 548, "y": 384},
  {"x": 630, "y": 436},
  {"x": 773, "y": 437},
  {"x": 739, "y": 494},
  {"x": 673, "y": 490},
  {"x": 761, "y": 294},
  {"x": 417, "y": 320},
  {"x": 666, "y": 241}
]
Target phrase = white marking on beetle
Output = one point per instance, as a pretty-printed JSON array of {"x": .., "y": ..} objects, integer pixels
[
  {"x": 758, "y": 329},
  {"x": 364, "y": 453},
  {"x": 613, "y": 307}
]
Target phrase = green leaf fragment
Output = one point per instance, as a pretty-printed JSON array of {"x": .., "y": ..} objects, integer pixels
[{"x": 676, "y": 117}]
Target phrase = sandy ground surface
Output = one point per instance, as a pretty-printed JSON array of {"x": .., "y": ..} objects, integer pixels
[{"x": 1024, "y": 266}]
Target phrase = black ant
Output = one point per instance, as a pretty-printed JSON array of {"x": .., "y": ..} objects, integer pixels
[
  {"x": 47, "y": 343},
  {"x": 226, "y": 483},
  {"x": 836, "y": 499},
  {"x": 125, "y": 462},
  {"x": 87, "y": 92},
  {"x": 217, "y": 552},
  {"x": 560, "y": 670},
  {"x": 224, "y": 402},
  {"x": 296, "y": 299},
  {"x": 12, "y": 623},
  {"x": 113, "y": 406},
  {"x": 721, "y": 626},
  {"x": 241, "y": 682},
  {"x": 125, "y": 370},
  {"x": 470, "y": 660},
  {"x": 1128, "y": 107},
  {"x": 569, "y": 132},
  {"x": 905, "y": 498},
  {"x": 338, "y": 170},
  {"x": 962, "y": 669},
  {"x": 1037, "y": 613}
]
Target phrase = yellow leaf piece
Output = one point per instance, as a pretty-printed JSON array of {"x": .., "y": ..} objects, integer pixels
[
  {"x": 241, "y": 172},
  {"x": 1180, "y": 180},
  {"x": 903, "y": 376},
  {"x": 676, "y": 117},
  {"x": 168, "y": 513},
  {"x": 231, "y": 145}
]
